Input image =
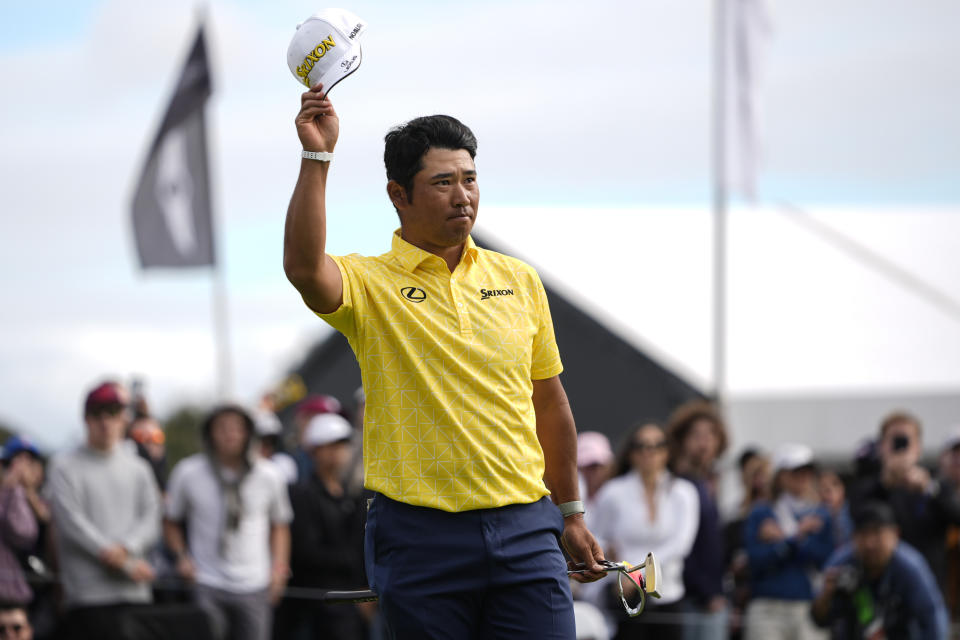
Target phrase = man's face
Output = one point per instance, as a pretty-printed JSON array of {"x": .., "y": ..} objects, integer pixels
[
  {"x": 441, "y": 208},
  {"x": 228, "y": 434},
  {"x": 701, "y": 445},
  {"x": 14, "y": 625},
  {"x": 900, "y": 445},
  {"x": 105, "y": 428},
  {"x": 875, "y": 545},
  {"x": 333, "y": 457}
]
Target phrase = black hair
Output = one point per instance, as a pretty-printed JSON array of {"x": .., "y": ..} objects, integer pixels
[
  {"x": 622, "y": 462},
  {"x": 406, "y": 145},
  {"x": 873, "y": 513},
  {"x": 223, "y": 410},
  {"x": 748, "y": 454}
]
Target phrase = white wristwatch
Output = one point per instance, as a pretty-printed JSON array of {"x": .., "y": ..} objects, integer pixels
[{"x": 322, "y": 156}]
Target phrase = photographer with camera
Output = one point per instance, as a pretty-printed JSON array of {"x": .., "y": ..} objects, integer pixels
[
  {"x": 879, "y": 587},
  {"x": 923, "y": 508}
]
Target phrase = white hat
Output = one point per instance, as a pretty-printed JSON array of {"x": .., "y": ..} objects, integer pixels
[
  {"x": 326, "y": 428},
  {"x": 791, "y": 456},
  {"x": 326, "y": 48},
  {"x": 266, "y": 423}
]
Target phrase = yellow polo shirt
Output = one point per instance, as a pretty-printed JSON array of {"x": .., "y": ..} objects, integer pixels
[{"x": 447, "y": 361}]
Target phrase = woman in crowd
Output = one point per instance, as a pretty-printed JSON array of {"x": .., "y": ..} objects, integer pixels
[
  {"x": 646, "y": 509},
  {"x": 787, "y": 542}
]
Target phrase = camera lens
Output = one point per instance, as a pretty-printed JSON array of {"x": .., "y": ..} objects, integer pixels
[{"x": 900, "y": 443}]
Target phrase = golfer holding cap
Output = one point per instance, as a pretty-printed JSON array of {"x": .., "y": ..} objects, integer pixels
[{"x": 469, "y": 442}]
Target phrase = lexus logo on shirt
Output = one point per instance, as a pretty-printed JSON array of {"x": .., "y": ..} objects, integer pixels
[{"x": 414, "y": 294}]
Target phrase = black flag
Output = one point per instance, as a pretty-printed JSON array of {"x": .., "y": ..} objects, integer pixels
[{"x": 172, "y": 214}]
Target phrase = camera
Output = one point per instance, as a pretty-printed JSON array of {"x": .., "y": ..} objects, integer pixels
[
  {"x": 848, "y": 579},
  {"x": 900, "y": 442}
]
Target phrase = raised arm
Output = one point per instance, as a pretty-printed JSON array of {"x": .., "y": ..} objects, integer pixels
[{"x": 305, "y": 261}]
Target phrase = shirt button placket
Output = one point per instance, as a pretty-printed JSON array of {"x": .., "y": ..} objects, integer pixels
[{"x": 458, "y": 303}]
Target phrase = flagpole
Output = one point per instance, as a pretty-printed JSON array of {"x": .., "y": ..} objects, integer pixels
[
  {"x": 221, "y": 333},
  {"x": 719, "y": 152}
]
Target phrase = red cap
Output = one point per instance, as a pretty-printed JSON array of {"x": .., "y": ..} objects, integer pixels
[
  {"x": 104, "y": 396},
  {"x": 315, "y": 405}
]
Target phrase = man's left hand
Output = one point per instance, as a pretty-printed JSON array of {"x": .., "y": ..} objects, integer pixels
[{"x": 582, "y": 547}]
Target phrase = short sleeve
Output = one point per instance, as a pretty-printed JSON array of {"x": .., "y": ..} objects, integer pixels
[
  {"x": 280, "y": 510},
  {"x": 545, "y": 361},
  {"x": 344, "y": 318}
]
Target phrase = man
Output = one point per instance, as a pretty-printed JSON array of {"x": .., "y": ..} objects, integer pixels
[
  {"x": 106, "y": 516},
  {"x": 923, "y": 507},
  {"x": 327, "y": 536},
  {"x": 879, "y": 587},
  {"x": 467, "y": 426},
  {"x": 235, "y": 509},
  {"x": 14, "y": 624},
  {"x": 696, "y": 436}
]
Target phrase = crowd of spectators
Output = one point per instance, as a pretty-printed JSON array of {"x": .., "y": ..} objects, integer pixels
[{"x": 239, "y": 540}]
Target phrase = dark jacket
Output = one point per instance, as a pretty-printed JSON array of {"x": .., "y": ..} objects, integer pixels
[
  {"x": 904, "y": 600},
  {"x": 326, "y": 537},
  {"x": 703, "y": 568},
  {"x": 923, "y": 518}
]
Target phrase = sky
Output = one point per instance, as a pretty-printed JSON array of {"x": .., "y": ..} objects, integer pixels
[{"x": 594, "y": 130}]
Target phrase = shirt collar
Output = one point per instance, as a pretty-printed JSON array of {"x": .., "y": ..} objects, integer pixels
[{"x": 411, "y": 257}]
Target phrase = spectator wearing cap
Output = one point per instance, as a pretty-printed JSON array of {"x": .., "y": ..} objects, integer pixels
[
  {"x": 270, "y": 438},
  {"x": 923, "y": 507},
  {"x": 787, "y": 542},
  {"x": 311, "y": 406},
  {"x": 594, "y": 457},
  {"x": 22, "y": 450},
  {"x": 106, "y": 516},
  {"x": 18, "y": 523},
  {"x": 594, "y": 467},
  {"x": 327, "y": 536},
  {"x": 236, "y": 513},
  {"x": 878, "y": 586},
  {"x": 697, "y": 436},
  {"x": 35, "y": 558}
]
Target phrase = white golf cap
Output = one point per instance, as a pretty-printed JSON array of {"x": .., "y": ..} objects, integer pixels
[
  {"x": 791, "y": 456},
  {"x": 326, "y": 48},
  {"x": 326, "y": 428}
]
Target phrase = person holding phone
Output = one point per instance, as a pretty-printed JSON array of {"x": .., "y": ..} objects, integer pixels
[{"x": 923, "y": 507}]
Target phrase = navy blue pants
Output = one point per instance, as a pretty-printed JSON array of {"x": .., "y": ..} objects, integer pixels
[{"x": 489, "y": 573}]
